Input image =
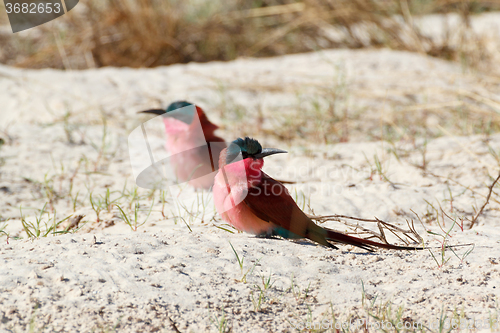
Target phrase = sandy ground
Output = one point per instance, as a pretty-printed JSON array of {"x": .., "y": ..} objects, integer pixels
[{"x": 65, "y": 139}]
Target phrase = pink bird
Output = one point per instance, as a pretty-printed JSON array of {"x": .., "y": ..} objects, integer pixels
[
  {"x": 253, "y": 202},
  {"x": 187, "y": 142}
]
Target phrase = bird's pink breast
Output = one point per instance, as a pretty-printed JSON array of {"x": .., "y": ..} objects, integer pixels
[
  {"x": 230, "y": 189},
  {"x": 189, "y": 155}
]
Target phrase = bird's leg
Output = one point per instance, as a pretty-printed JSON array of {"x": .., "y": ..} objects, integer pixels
[{"x": 267, "y": 234}]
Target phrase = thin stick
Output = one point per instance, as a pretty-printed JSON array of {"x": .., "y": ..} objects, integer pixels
[
  {"x": 381, "y": 226},
  {"x": 487, "y": 200},
  {"x": 381, "y": 229}
]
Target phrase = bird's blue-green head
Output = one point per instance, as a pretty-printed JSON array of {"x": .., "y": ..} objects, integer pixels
[
  {"x": 177, "y": 105},
  {"x": 249, "y": 148},
  {"x": 185, "y": 115}
]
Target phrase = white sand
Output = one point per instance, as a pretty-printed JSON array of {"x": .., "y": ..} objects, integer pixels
[{"x": 164, "y": 276}]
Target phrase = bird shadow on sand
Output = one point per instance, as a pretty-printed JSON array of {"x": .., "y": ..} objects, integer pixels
[{"x": 305, "y": 242}]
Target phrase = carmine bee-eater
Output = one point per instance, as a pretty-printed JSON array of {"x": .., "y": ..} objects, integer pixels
[
  {"x": 253, "y": 202},
  {"x": 188, "y": 138},
  {"x": 187, "y": 142}
]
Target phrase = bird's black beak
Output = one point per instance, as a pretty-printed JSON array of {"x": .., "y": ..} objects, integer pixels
[
  {"x": 269, "y": 151},
  {"x": 154, "y": 111}
]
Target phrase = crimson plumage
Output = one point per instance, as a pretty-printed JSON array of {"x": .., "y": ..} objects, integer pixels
[
  {"x": 187, "y": 144},
  {"x": 251, "y": 201}
]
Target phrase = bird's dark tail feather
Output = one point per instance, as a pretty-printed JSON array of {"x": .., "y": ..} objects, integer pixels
[{"x": 365, "y": 244}]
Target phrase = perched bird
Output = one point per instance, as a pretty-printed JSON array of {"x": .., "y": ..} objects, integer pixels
[
  {"x": 251, "y": 201},
  {"x": 189, "y": 133},
  {"x": 187, "y": 142}
]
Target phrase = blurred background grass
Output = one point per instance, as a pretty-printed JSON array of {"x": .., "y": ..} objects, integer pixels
[{"x": 149, "y": 33}]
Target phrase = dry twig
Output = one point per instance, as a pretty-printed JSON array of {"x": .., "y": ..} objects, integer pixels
[
  {"x": 486, "y": 202},
  {"x": 405, "y": 235}
]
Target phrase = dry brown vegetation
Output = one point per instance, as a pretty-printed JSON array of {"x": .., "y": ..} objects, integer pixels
[{"x": 149, "y": 33}]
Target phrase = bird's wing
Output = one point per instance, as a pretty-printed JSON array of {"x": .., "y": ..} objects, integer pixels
[{"x": 271, "y": 202}]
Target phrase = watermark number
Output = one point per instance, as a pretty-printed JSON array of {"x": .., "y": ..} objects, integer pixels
[{"x": 33, "y": 8}]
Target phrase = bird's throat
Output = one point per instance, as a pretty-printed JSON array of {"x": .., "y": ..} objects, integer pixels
[
  {"x": 253, "y": 169},
  {"x": 246, "y": 172}
]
